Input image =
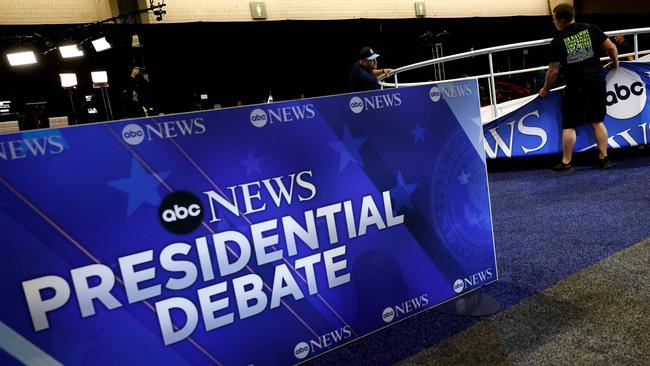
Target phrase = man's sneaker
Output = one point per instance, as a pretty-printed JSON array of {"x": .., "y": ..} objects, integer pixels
[
  {"x": 564, "y": 168},
  {"x": 605, "y": 163}
]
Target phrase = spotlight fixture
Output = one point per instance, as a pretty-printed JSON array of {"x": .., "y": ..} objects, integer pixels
[
  {"x": 159, "y": 14},
  {"x": 99, "y": 77},
  {"x": 157, "y": 10},
  {"x": 68, "y": 80},
  {"x": 21, "y": 58},
  {"x": 69, "y": 83},
  {"x": 135, "y": 41},
  {"x": 101, "y": 44},
  {"x": 70, "y": 51},
  {"x": 100, "y": 81}
]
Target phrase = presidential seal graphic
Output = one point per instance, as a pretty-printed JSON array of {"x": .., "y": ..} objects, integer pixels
[{"x": 459, "y": 201}]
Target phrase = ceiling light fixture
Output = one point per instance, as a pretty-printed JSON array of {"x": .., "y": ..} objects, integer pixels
[{"x": 21, "y": 58}]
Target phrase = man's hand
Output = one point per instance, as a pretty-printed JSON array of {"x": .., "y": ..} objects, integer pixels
[{"x": 543, "y": 93}]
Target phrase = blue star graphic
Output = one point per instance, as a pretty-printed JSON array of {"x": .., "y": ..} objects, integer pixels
[
  {"x": 418, "y": 132},
  {"x": 401, "y": 193},
  {"x": 252, "y": 164},
  {"x": 463, "y": 177},
  {"x": 349, "y": 149},
  {"x": 139, "y": 186}
]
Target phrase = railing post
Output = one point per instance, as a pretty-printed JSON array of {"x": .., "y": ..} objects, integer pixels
[
  {"x": 636, "y": 46},
  {"x": 493, "y": 89},
  {"x": 396, "y": 83}
]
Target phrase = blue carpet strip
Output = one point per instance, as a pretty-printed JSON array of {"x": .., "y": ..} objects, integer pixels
[{"x": 547, "y": 226}]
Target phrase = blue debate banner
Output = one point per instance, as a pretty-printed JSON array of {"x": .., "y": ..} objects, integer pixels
[
  {"x": 536, "y": 128},
  {"x": 259, "y": 235}
]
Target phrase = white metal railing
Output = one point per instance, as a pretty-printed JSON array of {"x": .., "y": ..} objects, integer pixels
[{"x": 492, "y": 50}]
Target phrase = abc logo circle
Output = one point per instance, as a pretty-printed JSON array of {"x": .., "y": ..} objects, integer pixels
[
  {"x": 301, "y": 350},
  {"x": 180, "y": 212},
  {"x": 356, "y": 105},
  {"x": 626, "y": 94},
  {"x": 258, "y": 118},
  {"x": 133, "y": 134},
  {"x": 459, "y": 286},
  {"x": 435, "y": 94},
  {"x": 388, "y": 315}
]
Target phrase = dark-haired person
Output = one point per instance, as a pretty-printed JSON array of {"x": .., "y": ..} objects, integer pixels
[
  {"x": 137, "y": 97},
  {"x": 364, "y": 73},
  {"x": 623, "y": 46},
  {"x": 574, "y": 53}
]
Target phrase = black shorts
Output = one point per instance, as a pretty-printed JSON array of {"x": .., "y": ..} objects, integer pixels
[{"x": 584, "y": 103}]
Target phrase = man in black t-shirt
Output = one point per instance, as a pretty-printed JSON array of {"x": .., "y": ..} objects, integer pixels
[
  {"x": 574, "y": 53},
  {"x": 364, "y": 73}
]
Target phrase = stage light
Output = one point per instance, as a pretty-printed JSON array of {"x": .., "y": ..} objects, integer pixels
[
  {"x": 70, "y": 51},
  {"x": 101, "y": 44},
  {"x": 100, "y": 81},
  {"x": 99, "y": 77},
  {"x": 69, "y": 83},
  {"x": 135, "y": 41},
  {"x": 159, "y": 14},
  {"x": 21, "y": 58},
  {"x": 68, "y": 80},
  {"x": 158, "y": 11}
]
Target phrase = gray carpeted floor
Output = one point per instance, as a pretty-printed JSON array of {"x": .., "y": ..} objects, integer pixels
[{"x": 598, "y": 316}]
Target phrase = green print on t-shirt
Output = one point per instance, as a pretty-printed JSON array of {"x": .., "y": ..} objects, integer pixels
[{"x": 578, "y": 47}]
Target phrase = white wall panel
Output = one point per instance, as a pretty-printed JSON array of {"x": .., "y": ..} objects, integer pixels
[
  {"x": 232, "y": 10},
  {"x": 179, "y": 11},
  {"x": 54, "y": 11},
  {"x": 553, "y": 3}
]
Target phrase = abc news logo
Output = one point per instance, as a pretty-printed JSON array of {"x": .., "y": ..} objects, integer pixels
[
  {"x": 303, "y": 349},
  {"x": 459, "y": 286},
  {"x": 472, "y": 281},
  {"x": 626, "y": 93},
  {"x": 388, "y": 315},
  {"x": 356, "y": 105},
  {"x": 435, "y": 94},
  {"x": 260, "y": 117},
  {"x": 398, "y": 311},
  {"x": 622, "y": 92},
  {"x": 133, "y": 134},
  {"x": 180, "y": 212},
  {"x": 449, "y": 91},
  {"x": 375, "y": 102}
]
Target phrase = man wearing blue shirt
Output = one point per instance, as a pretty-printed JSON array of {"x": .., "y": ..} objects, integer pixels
[{"x": 364, "y": 73}]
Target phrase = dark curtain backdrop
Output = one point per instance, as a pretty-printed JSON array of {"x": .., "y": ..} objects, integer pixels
[{"x": 244, "y": 61}]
